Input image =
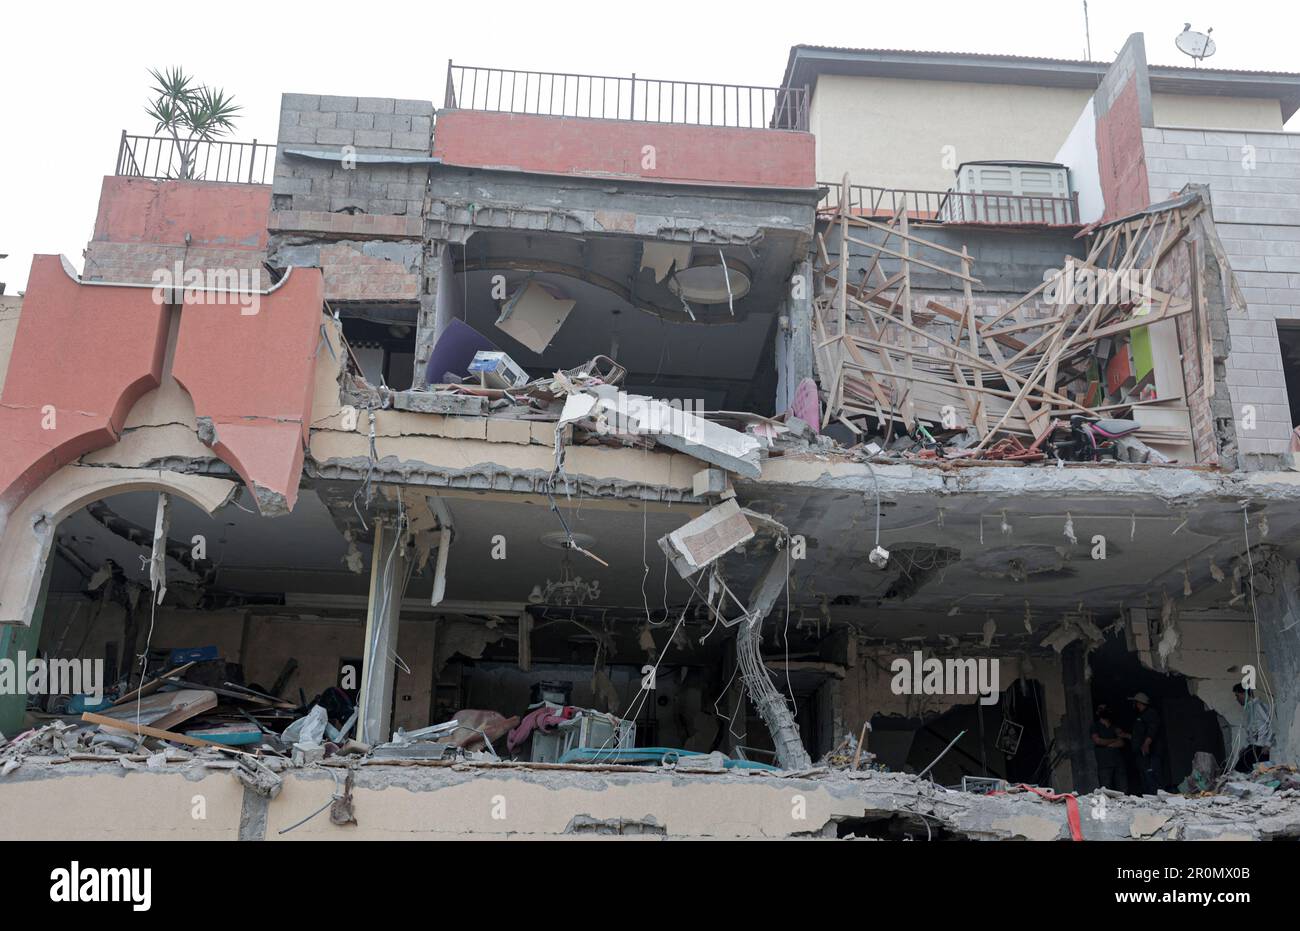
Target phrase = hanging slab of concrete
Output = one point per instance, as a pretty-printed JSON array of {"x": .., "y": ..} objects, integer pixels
[
  {"x": 699, "y": 542},
  {"x": 533, "y": 316}
]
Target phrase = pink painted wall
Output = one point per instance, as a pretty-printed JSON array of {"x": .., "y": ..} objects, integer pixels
[
  {"x": 89, "y": 352},
  {"x": 142, "y": 224},
  {"x": 231, "y": 216},
  {"x": 252, "y": 376},
  {"x": 614, "y": 148},
  {"x": 1121, "y": 156}
]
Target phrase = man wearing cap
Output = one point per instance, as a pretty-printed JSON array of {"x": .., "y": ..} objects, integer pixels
[
  {"x": 1147, "y": 740},
  {"x": 1258, "y": 728}
]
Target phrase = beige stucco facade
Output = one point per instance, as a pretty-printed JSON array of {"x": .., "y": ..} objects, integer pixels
[
  {"x": 896, "y": 133},
  {"x": 1184, "y": 111},
  {"x": 890, "y": 132}
]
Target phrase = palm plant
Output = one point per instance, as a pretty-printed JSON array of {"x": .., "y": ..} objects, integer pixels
[{"x": 190, "y": 113}]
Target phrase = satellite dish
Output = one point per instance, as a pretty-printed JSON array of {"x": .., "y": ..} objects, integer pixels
[{"x": 1196, "y": 45}]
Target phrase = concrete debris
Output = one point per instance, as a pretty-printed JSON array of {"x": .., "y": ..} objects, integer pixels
[
  {"x": 709, "y": 482},
  {"x": 605, "y": 410},
  {"x": 699, "y": 542},
  {"x": 341, "y": 807},
  {"x": 662, "y": 257},
  {"x": 1071, "y": 628},
  {"x": 257, "y": 777}
]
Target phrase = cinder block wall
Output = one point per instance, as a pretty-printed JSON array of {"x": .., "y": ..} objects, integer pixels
[
  {"x": 360, "y": 222},
  {"x": 380, "y": 125},
  {"x": 1254, "y": 181}
]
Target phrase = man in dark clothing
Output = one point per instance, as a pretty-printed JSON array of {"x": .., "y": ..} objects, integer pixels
[
  {"x": 1148, "y": 740},
  {"x": 1257, "y": 728},
  {"x": 1112, "y": 768}
]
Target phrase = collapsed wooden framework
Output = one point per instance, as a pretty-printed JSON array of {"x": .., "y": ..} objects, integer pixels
[{"x": 882, "y": 353}]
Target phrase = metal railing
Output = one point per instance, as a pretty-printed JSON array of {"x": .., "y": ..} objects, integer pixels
[
  {"x": 957, "y": 206},
  {"x": 608, "y": 97},
  {"x": 161, "y": 158}
]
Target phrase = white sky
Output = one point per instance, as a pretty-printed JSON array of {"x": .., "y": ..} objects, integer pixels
[{"x": 73, "y": 75}]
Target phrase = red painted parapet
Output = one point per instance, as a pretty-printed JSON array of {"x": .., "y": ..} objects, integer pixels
[
  {"x": 231, "y": 216},
  {"x": 85, "y": 353},
  {"x": 81, "y": 358},
  {"x": 143, "y": 223},
  {"x": 251, "y": 377},
  {"x": 601, "y": 148}
]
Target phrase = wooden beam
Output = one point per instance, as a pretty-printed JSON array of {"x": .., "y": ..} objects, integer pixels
[{"x": 144, "y": 730}]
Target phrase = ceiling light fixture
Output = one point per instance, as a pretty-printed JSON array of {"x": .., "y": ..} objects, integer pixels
[{"x": 708, "y": 281}]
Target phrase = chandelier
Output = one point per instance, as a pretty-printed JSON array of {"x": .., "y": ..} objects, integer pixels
[{"x": 571, "y": 590}]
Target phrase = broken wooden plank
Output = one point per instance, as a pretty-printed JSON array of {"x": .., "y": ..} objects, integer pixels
[
  {"x": 154, "y": 685},
  {"x": 146, "y": 730},
  {"x": 164, "y": 709}
]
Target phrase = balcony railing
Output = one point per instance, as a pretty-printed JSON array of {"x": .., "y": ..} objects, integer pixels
[
  {"x": 607, "y": 97},
  {"x": 161, "y": 158},
  {"x": 957, "y": 206}
]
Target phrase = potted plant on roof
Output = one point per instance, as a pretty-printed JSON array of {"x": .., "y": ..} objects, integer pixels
[{"x": 190, "y": 113}]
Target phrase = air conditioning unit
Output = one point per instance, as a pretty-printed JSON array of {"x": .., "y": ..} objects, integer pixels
[{"x": 1010, "y": 192}]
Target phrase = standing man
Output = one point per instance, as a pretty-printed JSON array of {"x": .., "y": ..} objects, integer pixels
[
  {"x": 1112, "y": 768},
  {"x": 1258, "y": 728},
  {"x": 1148, "y": 740}
]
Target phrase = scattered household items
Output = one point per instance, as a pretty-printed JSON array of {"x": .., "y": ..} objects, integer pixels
[
  {"x": 1201, "y": 778},
  {"x": 1008, "y": 740},
  {"x": 230, "y": 735},
  {"x": 1087, "y": 439},
  {"x": 455, "y": 349},
  {"x": 497, "y": 370},
  {"x": 1263, "y": 780},
  {"x": 552, "y": 731},
  {"x": 556, "y": 693},
  {"x": 851, "y": 753}
]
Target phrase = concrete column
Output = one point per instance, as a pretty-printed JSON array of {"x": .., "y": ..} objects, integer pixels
[
  {"x": 771, "y": 704},
  {"x": 795, "y": 344},
  {"x": 1075, "y": 734},
  {"x": 438, "y": 304},
  {"x": 1277, "y": 602},
  {"x": 16, "y": 637},
  {"x": 388, "y": 565}
]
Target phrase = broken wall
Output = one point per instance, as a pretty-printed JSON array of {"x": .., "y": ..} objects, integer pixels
[
  {"x": 80, "y": 800},
  {"x": 1211, "y": 651},
  {"x": 1122, "y": 105},
  {"x": 866, "y": 691},
  {"x": 348, "y": 193}
]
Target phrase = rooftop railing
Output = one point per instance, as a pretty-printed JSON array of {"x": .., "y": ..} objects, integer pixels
[
  {"x": 957, "y": 206},
  {"x": 609, "y": 97},
  {"x": 163, "y": 158}
]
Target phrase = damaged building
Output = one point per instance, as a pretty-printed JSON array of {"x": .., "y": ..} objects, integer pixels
[{"x": 646, "y": 454}]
